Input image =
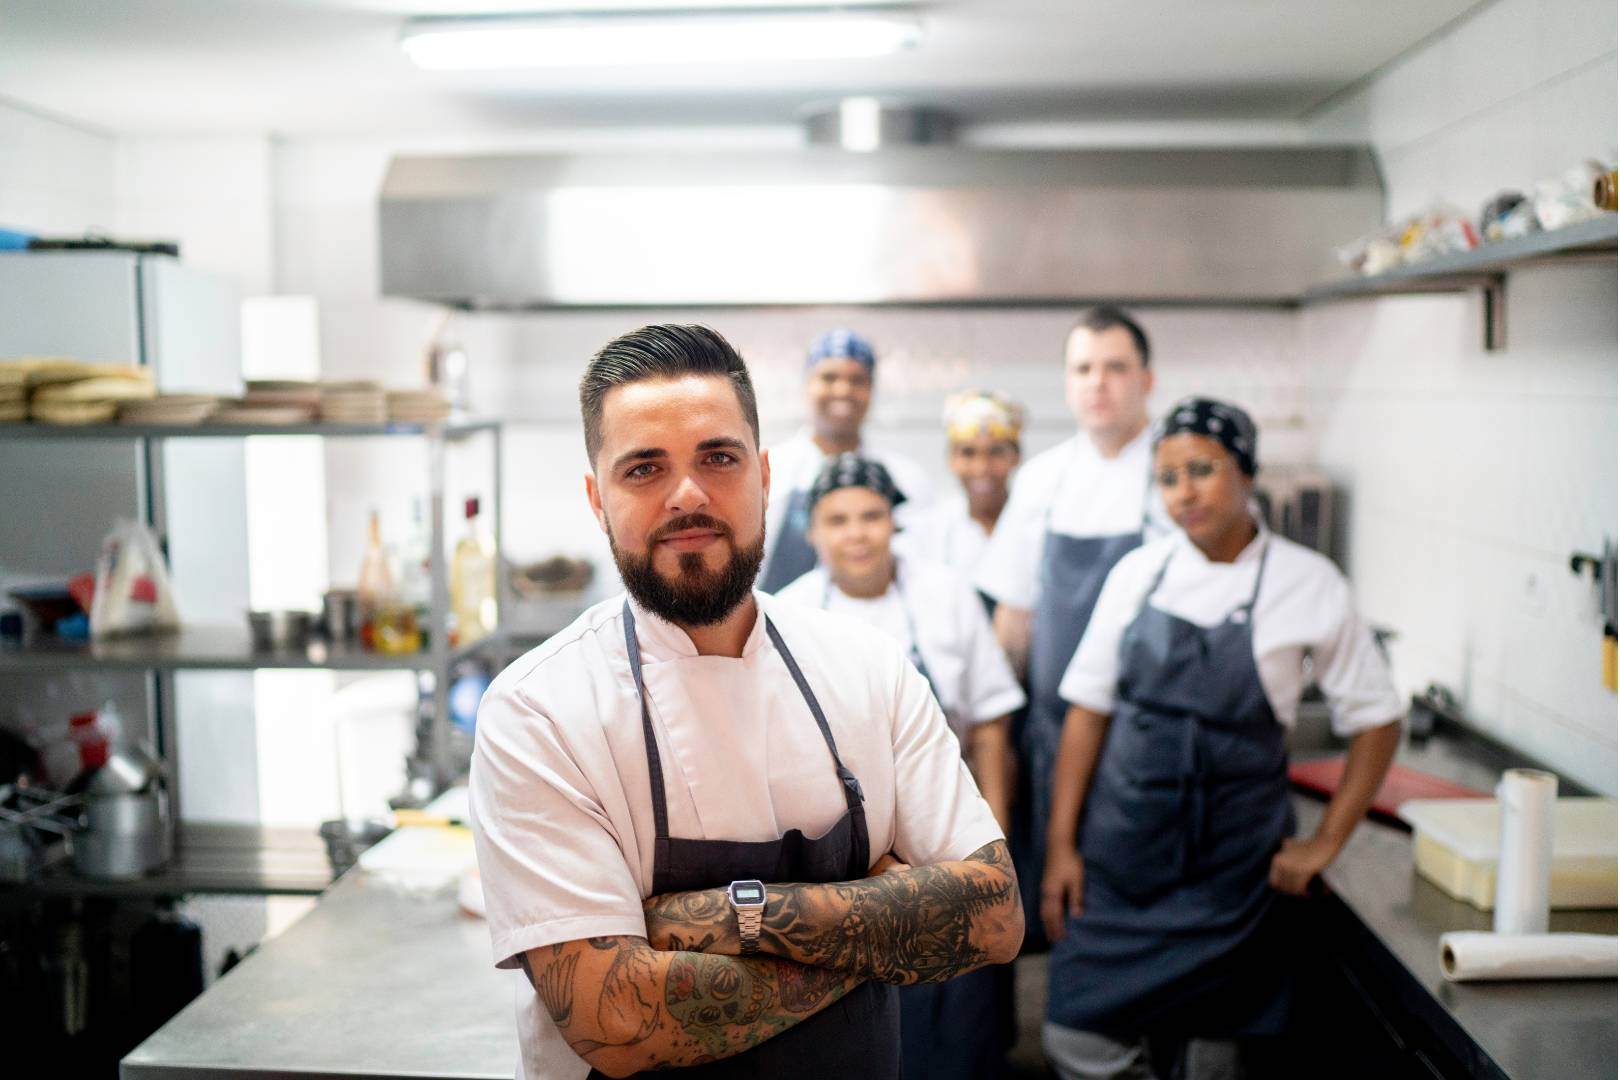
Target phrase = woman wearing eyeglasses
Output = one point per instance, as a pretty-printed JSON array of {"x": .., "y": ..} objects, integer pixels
[{"x": 1171, "y": 833}]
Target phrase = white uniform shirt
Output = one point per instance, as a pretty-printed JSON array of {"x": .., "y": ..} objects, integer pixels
[
  {"x": 1304, "y": 609},
  {"x": 562, "y": 810},
  {"x": 795, "y": 464},
  {"x": 970, "y": 672},
  {"x": 945, "y": 533},
  {"x": 1078, "y": 492}
]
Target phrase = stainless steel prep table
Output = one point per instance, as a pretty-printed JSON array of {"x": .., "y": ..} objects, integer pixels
[
  {"x": 1534, "y": 1030},
  {"x": 374, "y": 982}
]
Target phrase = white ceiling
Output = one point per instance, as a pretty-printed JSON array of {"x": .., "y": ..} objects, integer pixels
[{"x": 309, "y": 67}]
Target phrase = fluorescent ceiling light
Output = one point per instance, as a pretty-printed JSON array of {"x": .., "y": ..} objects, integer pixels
[{"x": 626, "y": 39}]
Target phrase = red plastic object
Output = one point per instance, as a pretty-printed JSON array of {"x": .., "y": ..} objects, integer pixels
[
  {"x": 82, "y": 587},
  {"x": 144, "y": 590},
  {"x": 1323, "y": 776}
]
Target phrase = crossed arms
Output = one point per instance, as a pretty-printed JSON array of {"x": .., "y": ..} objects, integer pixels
[{"x": 683, "y": 996}]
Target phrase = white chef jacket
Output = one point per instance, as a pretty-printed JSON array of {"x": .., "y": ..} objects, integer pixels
[
  {"x": 953, "y": 635},
  {"x": 795, "y": 464},
  {"x": 1075, "y": 491},
  {"x": 945, "y": 533},
  {"x": 1304, "y": 609},
  {"x": 560, "y": 803}
]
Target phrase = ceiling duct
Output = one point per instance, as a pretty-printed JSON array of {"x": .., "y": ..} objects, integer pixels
[{"x": 928, "y": 224}]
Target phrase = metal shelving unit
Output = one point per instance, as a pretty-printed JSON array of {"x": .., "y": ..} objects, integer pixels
[
  {"x": 1485, "y": 268},
  {"x": 200, "y": 864}
]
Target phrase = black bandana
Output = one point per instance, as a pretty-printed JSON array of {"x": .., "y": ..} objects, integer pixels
[
  {"x": 1226, "y": 424},
  {"x": 852, "y": 470}
]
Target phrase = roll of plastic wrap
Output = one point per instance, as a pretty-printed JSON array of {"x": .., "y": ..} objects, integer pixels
[
  {"x": 1467, "y": 955},
  {"x": 1524, "y": 869}
]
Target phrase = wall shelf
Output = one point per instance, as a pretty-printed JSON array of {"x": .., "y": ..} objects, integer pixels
[
  {"x": 217, "y": 648},
  {"x": 1485, "y": 268},
  {"x": 452, "y": 429},
  {"x": 209, "y": 858}
]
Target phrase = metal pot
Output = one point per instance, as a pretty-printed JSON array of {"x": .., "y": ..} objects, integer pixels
[{"x": 124, "y": 836}]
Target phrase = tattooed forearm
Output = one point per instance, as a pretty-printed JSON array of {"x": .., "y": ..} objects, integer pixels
[
  {"x": 625, "y": 1007},
  {"x": 920, "y": 925}
]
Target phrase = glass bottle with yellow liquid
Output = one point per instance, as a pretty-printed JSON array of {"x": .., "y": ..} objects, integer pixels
[{"x": 472, "y": 582}]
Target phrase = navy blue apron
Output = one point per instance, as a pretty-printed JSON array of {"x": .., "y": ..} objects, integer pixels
[
  {"x": 1072, "y": 572},
  {"x": 961, "y": 1028},
  {"x": 858, "y": 1035},
  {"x": 791, "y": 554},
  {"x": 1188, "y": 805}
]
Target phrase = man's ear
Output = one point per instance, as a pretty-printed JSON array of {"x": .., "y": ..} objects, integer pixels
[
  {"x": 593, "y": 495},
  {"x": 765, "y": 474}
]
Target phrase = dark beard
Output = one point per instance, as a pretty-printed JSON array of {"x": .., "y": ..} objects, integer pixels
[{"x": 698, "y": 597}]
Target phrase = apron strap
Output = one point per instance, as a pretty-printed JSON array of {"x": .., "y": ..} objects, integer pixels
[
  {"x": 655, "y": 764},
  {"x": 1259, "y": 575},
  {"x": 853, "y": 796}
]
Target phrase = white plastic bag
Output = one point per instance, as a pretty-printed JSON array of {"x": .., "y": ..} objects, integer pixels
[{"x": 133, "y": 591}]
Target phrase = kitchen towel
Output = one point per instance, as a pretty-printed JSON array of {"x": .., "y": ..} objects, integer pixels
[
  {"x": 1524, "y": 870},
  {"x": 1467, "y": 955}
]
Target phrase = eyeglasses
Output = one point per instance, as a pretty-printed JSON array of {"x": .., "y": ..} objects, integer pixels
[{"x": 1197, "y": 469}]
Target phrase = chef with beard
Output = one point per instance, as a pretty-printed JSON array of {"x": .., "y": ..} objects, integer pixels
[{"x": 716, "y": 830}]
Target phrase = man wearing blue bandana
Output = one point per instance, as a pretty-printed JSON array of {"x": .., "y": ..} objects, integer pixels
[{"x": 839, "y": 376}]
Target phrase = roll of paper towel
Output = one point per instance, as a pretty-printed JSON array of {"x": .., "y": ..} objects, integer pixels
[
  {"x": 1469, "y": 954},
  {"x": 1524, "y": 869}
]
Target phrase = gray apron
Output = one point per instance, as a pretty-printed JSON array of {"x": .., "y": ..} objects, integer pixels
[
  {"x": 1072, "y": 572},
  {"x": 1188, "y": 805},
  {"x": 791, "y": 554},
  {"x": 858, "y": 1035},
  {"x": 961, "y": 1028}
]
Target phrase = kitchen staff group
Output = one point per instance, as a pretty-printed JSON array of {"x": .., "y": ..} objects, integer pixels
[{"x": 840, "y": 729}]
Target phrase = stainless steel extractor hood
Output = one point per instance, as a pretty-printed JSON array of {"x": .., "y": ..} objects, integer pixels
[{"x": 904, "y": 225}]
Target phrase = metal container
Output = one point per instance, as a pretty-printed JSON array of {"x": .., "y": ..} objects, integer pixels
[
  {"x": 340, "y": 614},
  {"x": 124, "y": 836},
  {"x": 280, "y": 629}
]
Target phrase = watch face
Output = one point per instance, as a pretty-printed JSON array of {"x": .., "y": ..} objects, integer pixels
[{"x": 748, "y": 892}]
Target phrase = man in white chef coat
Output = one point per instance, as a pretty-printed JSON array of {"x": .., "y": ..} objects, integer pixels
[
  {"x": 646, "y": 782},
  {"x": 840, "y": 373},
  {"x": 1074, "y": 512}
]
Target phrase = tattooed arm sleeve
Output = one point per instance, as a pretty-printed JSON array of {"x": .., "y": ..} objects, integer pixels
[
  {"x": 625, "y": 1007},
  {"x": 921, "y": 925}
]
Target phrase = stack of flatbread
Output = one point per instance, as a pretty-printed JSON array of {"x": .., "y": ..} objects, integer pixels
[
  {"x": 358, "y": 402},
  {"x": 417, "y": 406},
  {"x": 13, "y": 393},
  {"x": 64, "y": 391}
]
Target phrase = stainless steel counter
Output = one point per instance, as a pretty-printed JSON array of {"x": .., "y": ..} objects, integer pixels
[
  {"x": 373, "y": 982},
  {"x": 1534, "y": 1030}
]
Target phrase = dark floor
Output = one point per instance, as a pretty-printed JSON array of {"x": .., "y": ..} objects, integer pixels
[{"x": 1025, "y": 1062}]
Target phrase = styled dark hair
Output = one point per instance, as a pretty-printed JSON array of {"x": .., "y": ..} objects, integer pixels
[
  {"x": 1106, "y": 317},
  {"x": 664, "y": 351}
]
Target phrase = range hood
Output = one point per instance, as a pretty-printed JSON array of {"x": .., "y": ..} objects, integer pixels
[{"x": 930, "y": 224}]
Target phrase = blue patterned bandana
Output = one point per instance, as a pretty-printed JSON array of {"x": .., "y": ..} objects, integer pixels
[{"x": 841, "y": 344}]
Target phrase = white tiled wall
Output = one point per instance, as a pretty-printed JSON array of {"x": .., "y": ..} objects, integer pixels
[
  {"x": 54, "y": 177},
  {"x": 1474, "y": 475}
]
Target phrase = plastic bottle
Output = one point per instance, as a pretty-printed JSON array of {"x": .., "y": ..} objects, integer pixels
[
  {"x": 376, "y": 584},
  {"x": 472, "y": 582}
]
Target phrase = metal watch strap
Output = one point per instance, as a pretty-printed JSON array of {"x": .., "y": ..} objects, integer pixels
[{"x": 748, "y": 925}]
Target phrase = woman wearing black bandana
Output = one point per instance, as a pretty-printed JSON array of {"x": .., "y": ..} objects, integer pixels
[{"x": 1171, "y": 836}]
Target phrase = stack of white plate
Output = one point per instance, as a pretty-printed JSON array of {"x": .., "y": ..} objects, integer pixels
[
  {"x": 353, "y": 403},
  {"x": 76, "y": 392},
  {"x": 417, "y": 406},
  {"x": 176, "y": 410}
]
